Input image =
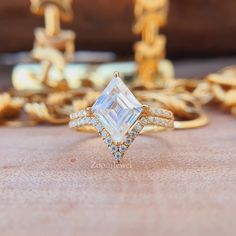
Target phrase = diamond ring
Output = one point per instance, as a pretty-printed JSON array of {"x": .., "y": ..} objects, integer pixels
[{"x": 119, "y": 117}]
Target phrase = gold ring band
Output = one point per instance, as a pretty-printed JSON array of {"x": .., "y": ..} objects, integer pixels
[
  {"x": 151, "y": 119},
  {"x": 120, "y": 118}
]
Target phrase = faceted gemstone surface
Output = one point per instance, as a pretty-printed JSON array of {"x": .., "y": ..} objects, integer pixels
[{"x": 117, "y": 109}]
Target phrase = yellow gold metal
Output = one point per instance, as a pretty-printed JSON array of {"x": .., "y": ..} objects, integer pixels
[
  {"x": 53, "y": 47},
  {"x": 52, "y": 20},
  {"x": 116, "y": 74},
  {"x": 151, "y": 15},
  {"x": 220, "y": 88},
  {"x": 200, "y": 121},
  {"x": 185, "y": 97},
  {"x": 186, "y": 108},
  {"x": 10, "y": 107},
  {"x": 40, "y": 113},
  {"x": 38, "y": 7},
  {"x": 51, "y": 101}
]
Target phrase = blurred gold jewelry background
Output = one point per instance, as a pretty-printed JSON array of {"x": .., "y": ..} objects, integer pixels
[{"x": 52, "y": 90}]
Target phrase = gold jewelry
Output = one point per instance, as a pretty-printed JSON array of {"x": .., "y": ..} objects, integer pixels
[
  {"x": 53, "y": 48},
  {"x": 186, "y": 108},
  {"x": 119, "y": 117},
  {"x": 150, "y": 16}
]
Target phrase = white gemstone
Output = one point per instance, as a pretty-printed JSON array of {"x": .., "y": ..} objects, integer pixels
[
  {"x": 160, "y": 122},
  {"x": 117, "y": 155},
  {"x": 156, "y": 120},
  {"x": 99, "y": 127},
  {"x": 132, "y": 134},
  {"x": 166, "y": 112},
  {"x": 82, "y": 113},
  {"x": 73, "y": 116},
  {"x": 158, "y": 111},
  {"x": 93, "y": 121},
  {"x": 104, "y": 133},
  {"x": 90, "y": 121},
  {"x": 128, "y": 141},
  {"x": 138, "y": 127},
  {"x": 144, "y": 121},
  {"x": 108, "y": 140},
  {"x": 73, "y": 124},
  {"x": 164, "y": 122},
  {"x": 82, "y": 121},
  {"x": 151, "y": 119},
  {"x": 122, "y": 148},
  {"x": 113, "y": 148},
  {"x": 117, "y": 109}
]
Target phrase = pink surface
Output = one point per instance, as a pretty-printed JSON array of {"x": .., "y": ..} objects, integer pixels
[{"x": 172, "y": 183}]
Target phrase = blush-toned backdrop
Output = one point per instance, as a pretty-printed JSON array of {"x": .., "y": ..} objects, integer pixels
[{"x": 195, "y": 28}]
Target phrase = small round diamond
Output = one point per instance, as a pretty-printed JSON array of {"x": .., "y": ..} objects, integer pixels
[
  {"x": 73, "y": 124},
  {"x": 158, "y": 111},
  {"x": 144, "y": 121},
  {"x": 164, "y": 122},
  {"x": 128, "y": 141},
  {"x": 73, "y": 116},
  {"x": 156, "y": 120},
  {"x": 82, "y": 113},
  {"x": 132, "y": 134},
  {"x": 160, "y": 121},
  {"x": 117, "y": 155},
  {"x": 89, "y": 120},
  {"x": 151, "y": 119},
  {"x": 113, "y": 148},
  {"x": 99, "y": 127},
  {"x": 77, "y": 122},
  {"x": 82, "y": 121},
  {"x": 93, "y": 121},
  {"x": 166, "y": 113},
  {"x": 86, "y": 120},
  {"x": 108, "y": 140},
  {"x": 122, "y": 148},
  {"x": 104, "y": 133},
  {"x": 138, "y": 127}
]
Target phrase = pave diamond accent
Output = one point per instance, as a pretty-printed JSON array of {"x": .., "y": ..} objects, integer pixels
[{"x": 117, "y": 109}]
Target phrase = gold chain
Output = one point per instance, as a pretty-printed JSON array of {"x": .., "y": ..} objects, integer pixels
[
  {"x": 54, "y": 47},
  {"x": 150, "y": 15},
  {"x": 185, "y": 98}
]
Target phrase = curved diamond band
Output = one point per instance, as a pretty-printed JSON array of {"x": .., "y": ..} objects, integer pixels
[
  {"x": 119, "y": 117},
  {"x": 84, "y": 118}
]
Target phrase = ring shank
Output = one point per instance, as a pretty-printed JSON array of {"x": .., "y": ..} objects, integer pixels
[
  {"x": 146, "y": 129},
  {"x": 151, "y": 119}
]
